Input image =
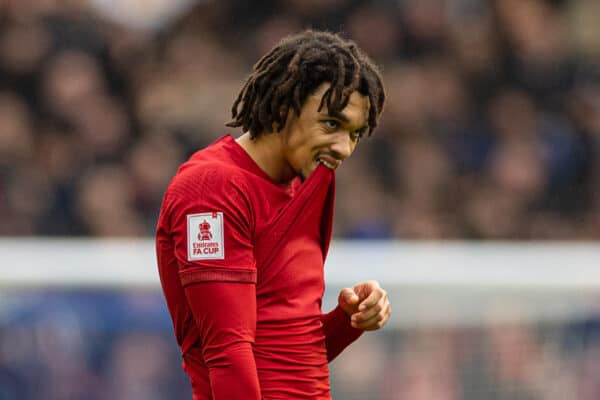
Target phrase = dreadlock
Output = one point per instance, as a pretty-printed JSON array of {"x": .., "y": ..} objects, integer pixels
[{"x": 285, "y": 76}]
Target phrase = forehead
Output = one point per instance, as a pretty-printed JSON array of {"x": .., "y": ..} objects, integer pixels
[{"x": 356, "y": 111}]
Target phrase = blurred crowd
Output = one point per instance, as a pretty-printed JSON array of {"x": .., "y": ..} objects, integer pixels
[
  {"x": 499, "y": 361},
  {"x": 88, "y": 345},
  {"x": 491, "y": 130},
  {"x": 97, "y": 345}
]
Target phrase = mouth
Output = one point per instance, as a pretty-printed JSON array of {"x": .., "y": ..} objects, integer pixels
[{"x": 329, "y": 161}]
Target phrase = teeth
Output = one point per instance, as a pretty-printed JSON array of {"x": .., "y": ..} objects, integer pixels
[{"x": 327, "y": 164}]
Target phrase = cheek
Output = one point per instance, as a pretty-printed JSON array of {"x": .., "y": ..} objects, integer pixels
[
  {"x": 305, "y": 143},
  {"x": 307, "y": 147}
]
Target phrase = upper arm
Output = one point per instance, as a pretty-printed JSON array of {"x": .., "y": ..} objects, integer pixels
[{"x": 211, "y": 225}]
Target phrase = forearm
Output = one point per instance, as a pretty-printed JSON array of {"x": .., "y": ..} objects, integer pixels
[
  {"x": 226, "y": 317},
  {"x": 339, "y": 334},
  {"x": 232, "y": 371}
]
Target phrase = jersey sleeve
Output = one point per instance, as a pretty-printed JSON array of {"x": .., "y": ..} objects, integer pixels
[
  {"x": 339, "y": 333},
  {"x": 211, "y": 223},
  {"x": 225, "y": 313}
]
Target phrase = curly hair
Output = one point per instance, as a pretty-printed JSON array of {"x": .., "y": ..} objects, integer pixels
[{"x": 294, "y": 69}]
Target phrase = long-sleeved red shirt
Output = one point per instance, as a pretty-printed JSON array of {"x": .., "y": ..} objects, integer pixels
[{"x": 241, "y": 266}]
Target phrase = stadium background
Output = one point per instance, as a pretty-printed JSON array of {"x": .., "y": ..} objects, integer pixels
[{"x": 491, "y": 132}]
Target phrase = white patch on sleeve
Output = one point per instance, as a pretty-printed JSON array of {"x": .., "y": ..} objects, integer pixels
[{"x": 205, "y": 236}]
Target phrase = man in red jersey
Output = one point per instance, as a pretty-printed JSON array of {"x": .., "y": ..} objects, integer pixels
[{"x": 245, "y": 227}]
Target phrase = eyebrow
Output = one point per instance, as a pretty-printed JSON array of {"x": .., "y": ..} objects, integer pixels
[
  {"x": 342, "y": 117},
  {"x": 339, "y": 116}
]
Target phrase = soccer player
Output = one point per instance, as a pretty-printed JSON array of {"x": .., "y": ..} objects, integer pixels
[{"x": 245, "y": 227}]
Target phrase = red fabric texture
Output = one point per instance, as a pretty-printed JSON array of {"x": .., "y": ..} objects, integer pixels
[
  {"x": 250, "y": 325},
  {"x": 338, "y": 332},
  {"x": 225, "y": 314}
]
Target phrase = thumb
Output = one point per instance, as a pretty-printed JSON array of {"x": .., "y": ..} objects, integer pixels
[{"x": 348, "y": 297}]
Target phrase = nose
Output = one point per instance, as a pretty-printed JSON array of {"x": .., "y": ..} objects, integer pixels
[{"x": 343, "y": 146}]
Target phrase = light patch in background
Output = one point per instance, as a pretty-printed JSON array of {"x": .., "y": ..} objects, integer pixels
[{"x": 143, "y": 14}]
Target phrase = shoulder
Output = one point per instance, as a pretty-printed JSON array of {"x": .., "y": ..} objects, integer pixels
[
  {"x": 210, "y": 186},
  {"x": 205, "y": 177}
]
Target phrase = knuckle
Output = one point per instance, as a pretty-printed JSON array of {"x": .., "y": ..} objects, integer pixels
[{"x": 374, "y": 283}]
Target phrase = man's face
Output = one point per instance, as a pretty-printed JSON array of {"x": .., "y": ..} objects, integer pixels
[{"x": 315, "y": 136}]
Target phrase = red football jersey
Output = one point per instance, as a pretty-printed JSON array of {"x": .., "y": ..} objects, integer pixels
[{"x": 241, "y": 266}]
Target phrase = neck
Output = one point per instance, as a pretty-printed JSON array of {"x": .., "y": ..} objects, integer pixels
[{"x": 267, "y": 152}]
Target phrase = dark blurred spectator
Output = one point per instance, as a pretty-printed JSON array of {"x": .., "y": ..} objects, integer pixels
[
  {"x": 489, "y": 132},
  {"x": 106, "y": 203}
]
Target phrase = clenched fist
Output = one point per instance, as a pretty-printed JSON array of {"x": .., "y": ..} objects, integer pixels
[{"x": 367, "y": 305}]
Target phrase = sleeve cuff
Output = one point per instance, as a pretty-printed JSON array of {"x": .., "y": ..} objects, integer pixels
[
  {"x": 340, "y": 321},
  {"x": 237, "y": 275}
]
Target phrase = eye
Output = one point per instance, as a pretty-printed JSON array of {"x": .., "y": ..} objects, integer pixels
[
  {"x": 357, "y": 134},
  {"x": 331, "y": 124}
]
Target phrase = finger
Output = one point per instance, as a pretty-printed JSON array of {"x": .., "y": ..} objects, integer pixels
[
  {"x": 373, "y": 298},
  {"x": 382, "y": 307},
  {"x": 367, "y": 313},
  {"x": 374, "y": 322},
  {"x": 364, "y": 289},
  {"x": 370, "y": 324}
]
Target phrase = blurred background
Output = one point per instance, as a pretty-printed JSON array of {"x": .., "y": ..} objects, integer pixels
[{"x": 491, "y": 133}]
